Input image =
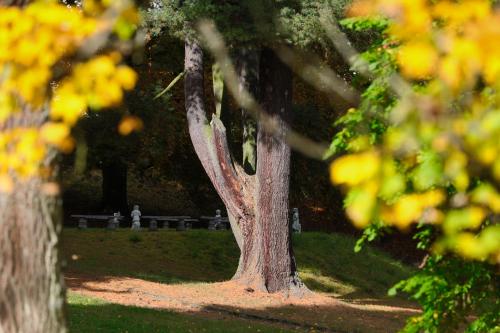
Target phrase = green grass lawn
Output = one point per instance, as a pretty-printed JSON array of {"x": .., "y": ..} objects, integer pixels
[
  {"x": 89, "y": 315},
  {"x": 326, "y": 262}
]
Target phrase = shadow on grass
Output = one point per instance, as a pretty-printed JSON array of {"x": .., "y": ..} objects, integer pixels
[
  {"x": 93, "y": 315},
  {"x": 81, "y": 282},
  {"x": 88, "y": 315},
  {"x": 338, "y": 318},
  {"x": 326, "y": 262}
]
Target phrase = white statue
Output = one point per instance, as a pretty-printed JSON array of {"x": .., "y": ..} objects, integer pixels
[
  {"x": 218, "y": 220},
  {"x": 136, "y": 218},
  {"x": 213, "y": 223},
  {"x": 296, "y": 227},
  {"x": 116, "y": 219}
]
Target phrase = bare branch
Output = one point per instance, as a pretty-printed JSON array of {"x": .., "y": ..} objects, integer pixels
[
  {"x": 320, "y": 76},
  {"x": 342, "y": 44},
  {"x": 215, "y": 43}
]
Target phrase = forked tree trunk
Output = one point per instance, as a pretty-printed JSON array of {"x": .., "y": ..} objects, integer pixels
[
  {"x": 31, "y": 286},
  {"x": 257, "y": 204}
]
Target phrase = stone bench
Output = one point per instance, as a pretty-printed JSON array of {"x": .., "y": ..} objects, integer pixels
[
  {"x": 83, "y": 219},
  {"x": 216, "y": 223},
  {"x": 183, "y": 222}
]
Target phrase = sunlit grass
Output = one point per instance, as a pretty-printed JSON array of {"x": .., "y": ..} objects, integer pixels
[
  {"x": 317, "y": 281},
  {"x": 326, "y": 262}
]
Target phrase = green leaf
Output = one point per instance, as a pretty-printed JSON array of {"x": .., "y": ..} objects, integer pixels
[{"x": 170, "y": 85}]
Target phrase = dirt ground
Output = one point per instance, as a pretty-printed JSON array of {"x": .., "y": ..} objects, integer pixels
[{"x": 318, "y": 312}]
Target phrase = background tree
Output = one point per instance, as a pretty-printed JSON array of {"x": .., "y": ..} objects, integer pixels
[{"x": 49, "y": 77}]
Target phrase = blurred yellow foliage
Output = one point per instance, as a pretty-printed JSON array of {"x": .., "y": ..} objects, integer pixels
[
  {"x": 54, "y": 133},
  {"x": 49, "y": 77},
  {"x": 440, "y": 161},
  {"x": 456, "y": 41},
  {"x": 411, "y": 207},
  {"x": 417, "y": 59},
  {"x": 355, "y": 169},
  {"x": 129, "y": 124}
]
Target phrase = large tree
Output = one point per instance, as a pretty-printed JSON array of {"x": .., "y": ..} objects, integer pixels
[
  {"x": 257, "y": 204},
  {"x": 254, "y": 187}
]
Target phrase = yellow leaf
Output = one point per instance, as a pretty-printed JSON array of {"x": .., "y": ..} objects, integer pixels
[
  {"x": 126, "y": 77},
  {"x": 410, "y": 207},
  {"x": 355, "y": 168},
  {"x": 496, "y": 169},
  {"x": 432, "y": 198},
  {"x": 406, "y": 210},
  {"x": 417, "y": 59},
  {"x": 67, "y": 145},
  {"x": 68, "y": 106},
  {"x": 130, "y": 124},
  {"x": 487, "y": 153},
  {"x": 486, "y": 194},
  {"x": 466, "y": 218},
  {"x": 469, "y": 246},
  {"x": 54, "y": 133},
  {"x": 360, "y": 204},
  {"x": 491, "y": 69},
  {"x": 449, "y": 72},
  {"x": 102, "y": 65}
]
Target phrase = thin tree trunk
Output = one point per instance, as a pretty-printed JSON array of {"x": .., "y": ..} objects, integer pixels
[{"x": 31, "y": 285}]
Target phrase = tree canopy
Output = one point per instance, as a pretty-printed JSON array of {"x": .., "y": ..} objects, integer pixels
[{"x": 295, "y": 22}]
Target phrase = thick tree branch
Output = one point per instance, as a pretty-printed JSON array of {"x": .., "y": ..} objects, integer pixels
[{"x": 209, "y": 140}]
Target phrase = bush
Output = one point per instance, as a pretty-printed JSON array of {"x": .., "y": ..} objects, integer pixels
[{"x": 135, "y": 238}]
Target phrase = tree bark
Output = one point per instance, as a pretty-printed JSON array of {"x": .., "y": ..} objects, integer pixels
[
  {"x": 257, "y": 209},
  {"x": 268, "y": 251},
  {"x": 210, "y": 142},
  {"x": 31, "y": 285}
]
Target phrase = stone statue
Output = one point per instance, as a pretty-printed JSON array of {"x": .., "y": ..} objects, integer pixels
[
  {"x": 218, "y": 219},
  {"x": 114, "y": 222},
  {"x": 136, "y": 218},
  {"x": 296, "y": 227},
  {"x": 153, "y": 225},
  {"x": 213, "y": 223},
  {"x": 82, "y": 223},
  {"x": 116, "y": 219},
  {"x": 181, "y": 225}
]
